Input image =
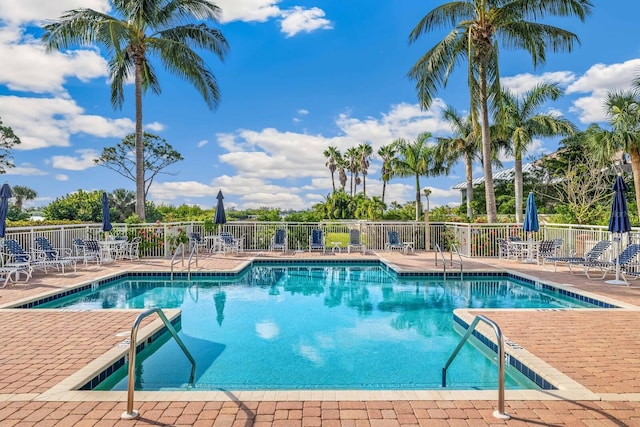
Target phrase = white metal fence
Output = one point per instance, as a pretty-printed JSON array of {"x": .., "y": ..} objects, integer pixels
[{"x": 473, "y": 240}]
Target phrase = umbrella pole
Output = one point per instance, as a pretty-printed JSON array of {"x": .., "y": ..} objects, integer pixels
[{"x": 617, "y": 280}]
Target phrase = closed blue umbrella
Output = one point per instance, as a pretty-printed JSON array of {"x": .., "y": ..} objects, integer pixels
[
  {"x": 221, "y": 217},
  {"x": 619, "y": 221},
  {"x": 530, "y": 223},
  {"x": 5, "y": 195},
  {"x": 106, "y": 215}
]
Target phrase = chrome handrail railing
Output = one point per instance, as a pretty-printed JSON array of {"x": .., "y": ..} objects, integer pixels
[
  {"x": 132, "y": 413},
  {"x": 179, "y": 251},
  {"x": 499, "y": 413}
]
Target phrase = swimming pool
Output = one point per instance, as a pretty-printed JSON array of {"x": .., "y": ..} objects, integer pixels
[{"x": 315, "y": 327}]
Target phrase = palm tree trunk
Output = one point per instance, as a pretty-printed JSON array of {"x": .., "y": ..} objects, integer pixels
[
  {"x": 469, "y": 175},
  {"x": 518, "y": 186},
  {"x": 140, "y": 199},
  {"x": 634, "y": 156},
  {"x": 418, "y": 210},
  {"x": 333, "y": 181},
  {"x": 364, "y": 185},
  {"x": 490, "y": 196},
  {"x": 384, "y": 189}
]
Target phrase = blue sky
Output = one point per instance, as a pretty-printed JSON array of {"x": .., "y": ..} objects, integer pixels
[{"x": 301, "y": 75}]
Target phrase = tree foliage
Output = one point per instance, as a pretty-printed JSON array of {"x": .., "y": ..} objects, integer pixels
[
  {"x": 158, "y": 155},
  {"x": 8, "y": 139},
  {"x": 137, "y": 31},
  {"x": 81, "y": 206}
]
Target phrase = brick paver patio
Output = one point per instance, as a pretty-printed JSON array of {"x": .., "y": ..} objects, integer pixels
[{"x": 42, "y": 349}]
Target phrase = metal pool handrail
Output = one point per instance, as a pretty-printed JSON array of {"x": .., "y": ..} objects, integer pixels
[
  {"x": 499, "y": 413},
  {"x": 451, "y": 261},
  {"x": 133, "y": 343}
]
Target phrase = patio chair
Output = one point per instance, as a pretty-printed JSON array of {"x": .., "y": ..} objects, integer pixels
[
  {"x": 508, "y": 251},
  {"x": 625, "y": 260},
  {"x": 18, "y": 257},
  {"x": 279, "y": 240},
  {"x": 316, "y": 241},
  {"x": 195, "y": 240},
  {"x": 87, "y": 250},
  {"x": 44, "y": 251},
  {"x": 131, "y": 250},
  {"x": 546, "y": 249},
  {"x": 355, "y": 242},
  {"x": 393, "y": 241},
  {"x": 230, "y": 243},
  {"x": 594, "y": 253},
  {"x": 16, "y": 270}
]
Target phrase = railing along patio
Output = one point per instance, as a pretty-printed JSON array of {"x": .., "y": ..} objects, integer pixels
[{"x": 473, "y": 240}]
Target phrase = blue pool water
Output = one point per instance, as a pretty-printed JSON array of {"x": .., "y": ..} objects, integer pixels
[{"x": 315, "y": 327}]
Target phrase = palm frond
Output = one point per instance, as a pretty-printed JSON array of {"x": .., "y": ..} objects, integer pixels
[
  {"x": 199, "y": 36},
  {"x": 442, "y": 16},
  {"x": 184, "y": 62},
  {"x": 433, "y": 68}
]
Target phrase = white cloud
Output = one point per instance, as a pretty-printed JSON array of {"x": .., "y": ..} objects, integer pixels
[
  {"x": 35, "y": 11},
  {"x": 523, "y": 82},
  {"x": 202, "y": 143},
  {"x": 299, "y": 20},
  {"x": 248, "y": 10},
  {"x": 597, "y": 81},
  {"x": 84, "y": 161},
  {"x": 32, "y": 69},
  {"x": 303, "y": 112},
  {"x": 47, "y": 122},
  {"x": 62, "y": 177},
  {"x": 25, "y": 169},
  {"x": 155, "y": 126}
]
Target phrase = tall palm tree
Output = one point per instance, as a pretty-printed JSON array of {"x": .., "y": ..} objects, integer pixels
[
  {"x": 463, "y": 144},
  {"x": 623, "y": 112},
  {"x": 365, "y": 151},
  {"x": 137, "y": 31},
  {"x": 417, "y": 159},
  {"x": 387, "y": 153},
  {"x": 343, "y": 165},
  {"x": 523, "y": 121},
  {"x": 353, "y": 157},
  {"x": 478, "y": 26},
  {"x": 21, "y": 193},
  {"x": 333, "y": 157}
]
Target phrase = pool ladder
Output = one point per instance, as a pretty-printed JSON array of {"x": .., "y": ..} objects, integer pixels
[
  {"x": 131, "y": 413},
  {"x": 499, "y": 413},
  {"x": 180, "y": 252},
  {"x": 454, "y": 248}
]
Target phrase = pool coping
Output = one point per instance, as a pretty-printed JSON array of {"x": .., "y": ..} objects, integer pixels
[{"x": 67, "y": 389}]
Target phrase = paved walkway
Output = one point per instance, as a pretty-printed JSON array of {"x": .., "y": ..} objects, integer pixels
[{"x": 43, "y": 351}]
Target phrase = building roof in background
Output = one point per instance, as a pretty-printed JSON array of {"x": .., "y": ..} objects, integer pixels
[{"x": 503, "y": 175}]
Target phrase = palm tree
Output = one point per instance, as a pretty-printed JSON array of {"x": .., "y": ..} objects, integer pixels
[
  {"x": 333, "y": 157},
  {"x": 365, "y": 151},
  {"x": 353, "y": 167},
  {"x": 464, "y": 143},
  {"x": 387, "y": 153},
  {"x": 343, "y": 165},
  {"x": 478, "y": 25},
  {"x": 623, "y": 111},
  {"x": 122, "y": 202},
  {"x": 21, "y": 193},
  {"x": 523, "y": 122},
  {"x": 137, "y": 31},
  {"x": 417, "y": 159}
]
